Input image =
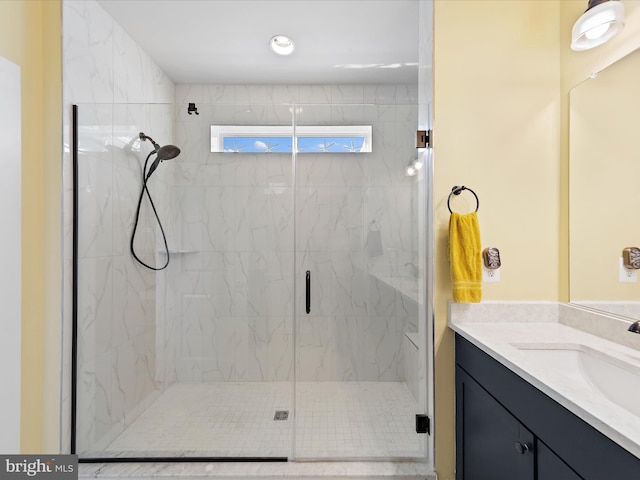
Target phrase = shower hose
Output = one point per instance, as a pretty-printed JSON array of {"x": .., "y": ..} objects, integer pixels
[{"x": 144, "y": 190}]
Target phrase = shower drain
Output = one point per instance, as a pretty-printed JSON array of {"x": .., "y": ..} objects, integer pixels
[{"x": 281, "y": 415}]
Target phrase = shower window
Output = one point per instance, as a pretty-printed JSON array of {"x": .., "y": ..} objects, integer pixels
[{"x": 279, "y": 139}]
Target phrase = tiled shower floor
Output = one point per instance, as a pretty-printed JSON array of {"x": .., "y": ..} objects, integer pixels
[{"x": 335, "y": 419}]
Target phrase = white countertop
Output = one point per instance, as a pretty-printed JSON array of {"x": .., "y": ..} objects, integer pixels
[{"x": 496, "y": 338}]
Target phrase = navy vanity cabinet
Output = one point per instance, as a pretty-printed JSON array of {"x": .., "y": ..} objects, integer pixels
[
  {"x": 508, "y": 429},
  {"x": 488, "y": 437},
  {"x": 550, "y": 466}
]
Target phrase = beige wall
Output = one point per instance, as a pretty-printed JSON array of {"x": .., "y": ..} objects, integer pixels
[
  {"x": 496, "y": 124},
  {"x": 30, "y": 38},
  {"x": 502, "y": 75}
]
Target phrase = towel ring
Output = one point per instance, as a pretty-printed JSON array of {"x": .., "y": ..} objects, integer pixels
[{"x": 457, "y": 191}]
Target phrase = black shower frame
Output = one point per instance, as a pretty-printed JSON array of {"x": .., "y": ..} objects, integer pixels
[{"x": 74, "y": 341}]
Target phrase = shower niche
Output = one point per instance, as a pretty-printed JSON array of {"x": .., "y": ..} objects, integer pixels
[{"x": 291, "y": 321}]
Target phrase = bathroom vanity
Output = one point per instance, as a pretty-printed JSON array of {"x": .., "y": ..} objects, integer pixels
[{"x": 524, "y": 410}]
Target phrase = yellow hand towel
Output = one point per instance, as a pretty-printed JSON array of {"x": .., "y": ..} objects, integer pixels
[{"x": 466, "y": 257}]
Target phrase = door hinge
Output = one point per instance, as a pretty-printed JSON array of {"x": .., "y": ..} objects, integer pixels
[
  {"x": 424, "y": 138},
  {"x": 423, "y": 424}
]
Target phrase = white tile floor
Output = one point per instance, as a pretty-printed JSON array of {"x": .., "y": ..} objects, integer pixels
[
  {"x": 335, "y": 419},
  {"x": 355, "y": 419}
]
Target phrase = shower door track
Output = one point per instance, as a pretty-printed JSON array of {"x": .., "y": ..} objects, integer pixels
[{"x": 183, "y": 459}]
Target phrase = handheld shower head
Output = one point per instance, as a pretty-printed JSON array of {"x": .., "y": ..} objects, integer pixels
[
  {"x": 162, "y": 153},
  {"x": 167, "y": 152}
]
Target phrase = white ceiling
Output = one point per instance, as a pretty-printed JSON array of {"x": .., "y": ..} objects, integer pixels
[{"x": 226, "y": 41}]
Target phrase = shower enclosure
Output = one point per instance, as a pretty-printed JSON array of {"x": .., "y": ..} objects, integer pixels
[{"x": 291, "y": 321}]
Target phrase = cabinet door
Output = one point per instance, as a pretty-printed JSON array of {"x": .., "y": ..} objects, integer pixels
[
  {"x": 551, "y": 466},
  {"x": 491, "y": 443}
]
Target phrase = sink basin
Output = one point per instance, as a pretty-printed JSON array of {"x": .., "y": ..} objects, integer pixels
[{"x": 616, "y": 379}]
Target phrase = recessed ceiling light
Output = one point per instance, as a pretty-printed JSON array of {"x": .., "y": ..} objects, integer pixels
[{"x": 282, "y": 45}]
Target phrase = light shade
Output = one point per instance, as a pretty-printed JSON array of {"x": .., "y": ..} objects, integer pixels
[
  {"x": 282, "y": 45},
  {"x": 601, "y": 21}
]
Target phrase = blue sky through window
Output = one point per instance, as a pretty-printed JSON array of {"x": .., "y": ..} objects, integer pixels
[
  {"x": 283, "y": 144},
  {"x": 279, "y": 139}
]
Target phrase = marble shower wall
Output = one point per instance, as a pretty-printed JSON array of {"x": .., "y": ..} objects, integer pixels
[
  {"x": 229, "y": 294},
  {"x": 119, "y": 92}
]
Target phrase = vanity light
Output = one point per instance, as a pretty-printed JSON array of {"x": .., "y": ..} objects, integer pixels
[
  {"x": 282, "y": 45},
  {"x": 601, "y": 22}
]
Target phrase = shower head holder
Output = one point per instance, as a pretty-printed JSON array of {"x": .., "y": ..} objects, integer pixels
[{"x": 144, "y": 137}]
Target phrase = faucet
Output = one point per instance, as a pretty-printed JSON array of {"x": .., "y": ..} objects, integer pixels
[
  {"x": 635, "y": 327},
  {"x": 413, "y": 269}
]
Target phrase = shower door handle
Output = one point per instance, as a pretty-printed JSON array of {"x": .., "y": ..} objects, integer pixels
[{"x": 308, "y": 293}]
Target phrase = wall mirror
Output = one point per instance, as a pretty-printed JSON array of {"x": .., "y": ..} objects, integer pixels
[{"x": 604, "y": 199}]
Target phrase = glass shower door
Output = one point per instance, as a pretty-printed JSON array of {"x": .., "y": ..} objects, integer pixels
[
  {"x": 194, "y": 360},
  {"x": 359, "y": 283}
]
